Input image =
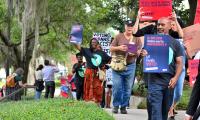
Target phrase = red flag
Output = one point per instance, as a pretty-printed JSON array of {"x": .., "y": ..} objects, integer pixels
[
  {"x": 155, "y": 9},
  {"x": 197, "y": 16},
  {"x": 193, "y": 71}
]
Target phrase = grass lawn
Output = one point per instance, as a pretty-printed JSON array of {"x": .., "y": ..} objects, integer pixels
[{"x": 52, "y": 109}]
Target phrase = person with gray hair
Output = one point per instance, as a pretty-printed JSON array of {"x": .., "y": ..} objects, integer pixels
[{"x": 18, "y": 76}]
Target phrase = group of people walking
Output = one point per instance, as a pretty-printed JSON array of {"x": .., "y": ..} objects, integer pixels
[{"x": 164, "y": 89}]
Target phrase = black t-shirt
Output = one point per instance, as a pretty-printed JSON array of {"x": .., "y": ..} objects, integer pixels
[
  {"x": 175, "y": 50},
  {"x": 152, "y": 29},
  {"x": 95, "y": 59},
  {"x": 80, "y": 71}
]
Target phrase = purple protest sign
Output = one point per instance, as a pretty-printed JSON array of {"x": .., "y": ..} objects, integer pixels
[{"x": 132, "y": 48}]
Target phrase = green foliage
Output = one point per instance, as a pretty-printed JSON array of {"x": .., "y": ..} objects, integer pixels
[
  {"x": 139, "y": 89},
  {"x": 52, "y": 109},
  {"x": 63, "y": 14},
  {"x": 182, "y": 105},
  {"x": 2, "y": 11}
]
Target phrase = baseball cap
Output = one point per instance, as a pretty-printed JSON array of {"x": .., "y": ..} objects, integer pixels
[{"x": 129, "y": 23}]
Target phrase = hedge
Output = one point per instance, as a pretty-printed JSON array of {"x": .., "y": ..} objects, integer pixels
[{"x": 52, "y": 109}]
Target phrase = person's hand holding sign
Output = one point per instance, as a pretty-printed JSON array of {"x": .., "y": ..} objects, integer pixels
[
  {"x": 144, "y": 53},
  {"x": 173, "y": 16},
  {"x": 123, "y": 48}
]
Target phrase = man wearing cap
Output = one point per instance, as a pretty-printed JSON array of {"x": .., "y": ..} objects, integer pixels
[{"x": 123, "y": 80}]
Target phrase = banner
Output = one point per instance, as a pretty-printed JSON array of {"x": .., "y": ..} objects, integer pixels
[
  {"x": 76, "y": 34},
  {"x": 104, "y": 40},
  {"x": 191, "y": 39},
  {"x": 197, "y": 16},
  {"x": 155, "y": 9},
  {"x": 157, "y": 59},
  {"x": 193, "y": 71}
]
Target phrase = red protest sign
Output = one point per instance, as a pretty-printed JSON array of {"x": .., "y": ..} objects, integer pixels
[
  {"x": 193, "y": 71},
  {"x": 155, "y": 9},
  {"x": 197, "y": 16}
]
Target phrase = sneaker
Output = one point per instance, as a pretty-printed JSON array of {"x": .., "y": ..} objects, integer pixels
[
  {"x": 115, "y": 110},
  {"x": 123, "y": 110}
]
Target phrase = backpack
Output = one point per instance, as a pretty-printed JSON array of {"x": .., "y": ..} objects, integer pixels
[{"x": 10, "y": 81}]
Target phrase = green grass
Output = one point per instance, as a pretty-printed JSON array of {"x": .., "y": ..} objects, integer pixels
[
  {"x": 185, "y": 98},
  {"x": 52, "y": 109},
  {"x": 182, "y": 105}
]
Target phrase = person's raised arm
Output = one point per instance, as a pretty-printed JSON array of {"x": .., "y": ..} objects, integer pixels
[
  {"x": 77, "y": 46},
  {"x": 136, "y": 25},
  {"x": 179, "y": 29}
]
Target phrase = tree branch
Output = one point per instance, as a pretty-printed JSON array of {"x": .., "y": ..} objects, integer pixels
[
  {"x": 6, "y": 41},
  {"x": 32, "y": 35}
]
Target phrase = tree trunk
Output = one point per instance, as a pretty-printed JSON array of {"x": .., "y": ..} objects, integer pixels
[{"x": 192, "y": 12}]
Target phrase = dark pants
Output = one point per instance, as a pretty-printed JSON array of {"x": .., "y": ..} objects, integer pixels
[
  {"x": 49, "y": 89},
  {"x": 103, "y": 102},
  {"x": 193, "y": 104},
  {"x": 79, "y": 91},
  {"x": 158, "y": 102}
]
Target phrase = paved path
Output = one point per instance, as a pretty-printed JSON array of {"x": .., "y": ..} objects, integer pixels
[{"x": 137, "y": 114}]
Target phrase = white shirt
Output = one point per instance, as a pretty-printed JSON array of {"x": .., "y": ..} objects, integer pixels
[
  {"x": 197, "y": 56},
  {"x": 48, "y": 73},
  {"x": 38, "y": 75}
]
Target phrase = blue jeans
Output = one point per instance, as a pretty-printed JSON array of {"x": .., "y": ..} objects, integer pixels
[
  {"x": 37, "y": 95},
  {"x": 158, "y": 101},
  {"x": 178, "y": 90},
  {"x": 122, "y": 85}
]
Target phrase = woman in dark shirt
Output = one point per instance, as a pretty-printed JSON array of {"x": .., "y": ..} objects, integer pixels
[{"x": 95, "y": 58}]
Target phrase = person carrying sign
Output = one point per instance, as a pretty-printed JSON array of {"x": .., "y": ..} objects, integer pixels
[
  {"x": 95, "y": 60},
  {"x": 160, "y": 85},
  {"x": 123, "y": 66}
]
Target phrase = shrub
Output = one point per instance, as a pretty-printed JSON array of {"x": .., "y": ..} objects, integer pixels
[
  {"x": 139, "y": 89},
  {"x": 52, "y": 109}
]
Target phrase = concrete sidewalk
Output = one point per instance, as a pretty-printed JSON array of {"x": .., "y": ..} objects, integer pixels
[{"x": 138, "y": 114}]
